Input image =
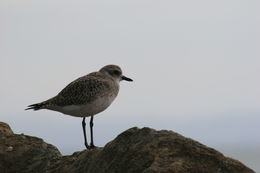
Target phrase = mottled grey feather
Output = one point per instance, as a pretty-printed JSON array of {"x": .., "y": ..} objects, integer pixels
[{"x": 84, "y": 90}]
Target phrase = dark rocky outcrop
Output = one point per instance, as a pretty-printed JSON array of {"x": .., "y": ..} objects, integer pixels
[
  {"x": 133, "y": 151},
  {"x": 22, "y": 153}
]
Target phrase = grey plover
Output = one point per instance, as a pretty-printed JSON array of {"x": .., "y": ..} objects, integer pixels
[{"x": 86, "y": 96}]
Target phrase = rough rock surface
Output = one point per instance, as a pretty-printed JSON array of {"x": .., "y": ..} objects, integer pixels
[
  {"x": 22, "y": 153},
  {"x": 133, "y": 151}
]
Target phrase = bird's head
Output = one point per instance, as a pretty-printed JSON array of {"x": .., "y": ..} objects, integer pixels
[{"x": 115, "y": 72}]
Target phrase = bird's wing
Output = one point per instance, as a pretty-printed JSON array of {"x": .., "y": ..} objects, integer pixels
[{"x": 83, "y": 90}]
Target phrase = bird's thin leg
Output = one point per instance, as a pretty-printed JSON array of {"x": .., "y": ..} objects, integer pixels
[
  {"x": 91, "y": 132},
  {"x": 84, "y": 132}
]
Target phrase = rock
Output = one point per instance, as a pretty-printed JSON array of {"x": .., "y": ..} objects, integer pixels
[
  {"x": 133, "y": 151},
  {"x": 21, "y": 153},
  {"x": 10, "y": 148},
  {"x": 5, "y": 129}
]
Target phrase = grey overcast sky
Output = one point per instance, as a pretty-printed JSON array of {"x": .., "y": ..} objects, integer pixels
[{"x": 195, "y": 66}]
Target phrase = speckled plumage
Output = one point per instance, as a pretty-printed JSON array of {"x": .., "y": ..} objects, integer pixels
[
  {"x": 84, "y": 90},
  {"x": 87, "y": 95}
]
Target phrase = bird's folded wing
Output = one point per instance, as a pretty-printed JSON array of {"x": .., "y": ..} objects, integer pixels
[{"x": 81, "y": 91}]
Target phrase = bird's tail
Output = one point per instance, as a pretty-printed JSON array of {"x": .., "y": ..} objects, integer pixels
[{"x": 36, "y": 106}]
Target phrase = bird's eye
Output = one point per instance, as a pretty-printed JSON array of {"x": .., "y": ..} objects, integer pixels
[{"x": 116, "y": 72}]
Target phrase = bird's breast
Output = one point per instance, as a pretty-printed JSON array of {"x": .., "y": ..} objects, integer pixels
[{"x": 96, "y": 106}]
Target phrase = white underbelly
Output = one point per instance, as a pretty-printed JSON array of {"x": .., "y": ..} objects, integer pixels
[{"x": 86, "y": 110}]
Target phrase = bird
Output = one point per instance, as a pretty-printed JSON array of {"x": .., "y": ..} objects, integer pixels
[{"x": 86, "y": 96}]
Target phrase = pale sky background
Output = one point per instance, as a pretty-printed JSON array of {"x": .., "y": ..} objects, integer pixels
[{"x": 195, "y": 65}]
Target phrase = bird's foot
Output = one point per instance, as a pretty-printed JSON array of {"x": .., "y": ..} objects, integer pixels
[
  {"x": 92, "y": 146},
  {"x": 87, "y": 146}
]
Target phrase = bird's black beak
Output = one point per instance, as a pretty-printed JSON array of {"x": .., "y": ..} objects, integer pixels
[{"x": 126, "y": 78}]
